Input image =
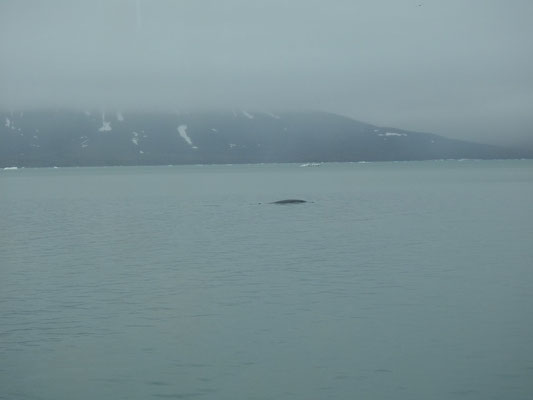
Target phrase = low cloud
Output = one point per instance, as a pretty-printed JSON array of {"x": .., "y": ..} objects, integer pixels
[{"x": 461, "y": 69}]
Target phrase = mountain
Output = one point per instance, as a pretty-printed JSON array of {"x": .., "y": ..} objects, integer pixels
[{"x": 74, "y": 138}]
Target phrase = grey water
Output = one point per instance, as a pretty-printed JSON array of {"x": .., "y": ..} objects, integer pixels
[{"x": 394, "y": 281}]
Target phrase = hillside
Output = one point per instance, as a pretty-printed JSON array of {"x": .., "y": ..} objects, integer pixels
[{"x": 75, "y": 138}]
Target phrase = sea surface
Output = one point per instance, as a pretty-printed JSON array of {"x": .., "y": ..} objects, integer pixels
[{"x": 402, "y": 281}]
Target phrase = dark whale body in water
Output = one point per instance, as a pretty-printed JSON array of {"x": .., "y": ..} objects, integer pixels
[{"x": 289, "y": 201}]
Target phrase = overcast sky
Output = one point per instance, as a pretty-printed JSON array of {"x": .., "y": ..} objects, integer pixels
[{"x": 460, "y": 68}]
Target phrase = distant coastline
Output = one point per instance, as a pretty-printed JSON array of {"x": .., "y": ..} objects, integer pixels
[{"x": 43, "y": 138}]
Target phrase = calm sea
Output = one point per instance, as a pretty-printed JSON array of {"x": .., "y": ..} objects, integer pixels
[{"x": 395, "y": 281}]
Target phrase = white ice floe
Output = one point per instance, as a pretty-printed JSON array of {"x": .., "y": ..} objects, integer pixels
[
  {"x": 232, "y": 145},
  {"x": 10, "y": 168},
  {"x": 214, "y": 130},
  {"x": 8, "y": 123},
  {"x": 247, "y": 114},
  {"x": 120, "y": 117},
  {"x": 182, "y": 129},
  {"x": 392, "y": 134},
  {"x": 311, "y": 164},
  {"x": 141, "y": 152},
  {"x": 135, "y": 138}
]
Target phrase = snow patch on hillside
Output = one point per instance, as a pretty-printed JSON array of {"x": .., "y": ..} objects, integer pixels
[
  {"x": 272, "y": 115},
  {"x": 247, "y": 114},
  {"x": 392, "y": 134},
  {"x": 182, "y": 129},
  {"x": 106, "y": 125},
  {"x": 135, "y": 138},
  {"x": 10, "y": 124}
]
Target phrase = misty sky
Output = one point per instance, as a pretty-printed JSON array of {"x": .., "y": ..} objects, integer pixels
[{"x": 453, "y": 67}]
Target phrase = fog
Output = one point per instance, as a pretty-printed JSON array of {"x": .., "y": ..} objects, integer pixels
[{"x": 457, "y": 68}]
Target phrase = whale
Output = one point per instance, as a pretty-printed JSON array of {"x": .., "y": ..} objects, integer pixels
[{"x": 289, "y": 201}]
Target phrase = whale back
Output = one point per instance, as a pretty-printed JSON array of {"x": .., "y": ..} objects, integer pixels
[{"x": 289, "y": 201}]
